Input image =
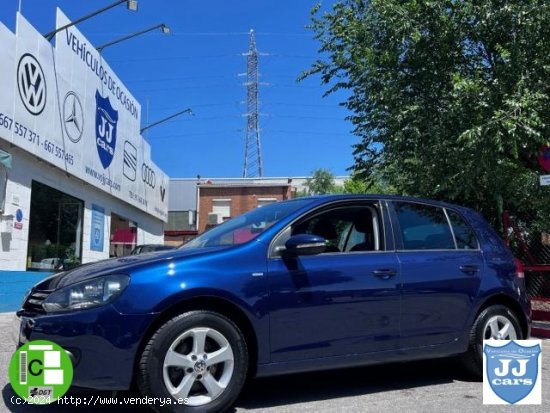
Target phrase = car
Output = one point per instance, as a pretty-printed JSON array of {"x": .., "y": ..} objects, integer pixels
[
  {"x": 301, "y": 285},
  {"x": 145, "y": 248}
]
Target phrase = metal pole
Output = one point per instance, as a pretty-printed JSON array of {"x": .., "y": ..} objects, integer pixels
[
  {"x": 150, "y": 29},
  {"x": 49, "y": 36},
  {"x": 188, "y": 110}
]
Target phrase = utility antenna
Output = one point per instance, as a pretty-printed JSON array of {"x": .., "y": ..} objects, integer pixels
[{"x": 253, "y": 166}]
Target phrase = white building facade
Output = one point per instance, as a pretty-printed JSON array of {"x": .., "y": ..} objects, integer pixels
[{"x": 77, "y": 183}]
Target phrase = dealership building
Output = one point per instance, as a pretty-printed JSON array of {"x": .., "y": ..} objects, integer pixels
[{"x": 77, "y": 183}]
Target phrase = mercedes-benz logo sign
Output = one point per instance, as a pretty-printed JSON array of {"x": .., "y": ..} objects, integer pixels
[
  {"x": 31, "y": 84},
  {"x": 73, "y": 117}
]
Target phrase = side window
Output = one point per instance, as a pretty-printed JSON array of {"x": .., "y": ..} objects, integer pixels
[
  {"x": 423, "y": 227},
  {"x": 464, "y": 235},
  {"x": 346, "y": 229}
]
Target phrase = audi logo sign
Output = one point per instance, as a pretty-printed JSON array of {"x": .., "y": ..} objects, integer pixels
[{"x": 148, "y": 175}]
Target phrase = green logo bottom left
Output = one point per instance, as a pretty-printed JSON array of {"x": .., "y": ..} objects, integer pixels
[{"x": 40, "y": 372}]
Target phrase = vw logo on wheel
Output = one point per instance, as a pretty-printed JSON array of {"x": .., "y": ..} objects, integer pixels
[
  {"x": 148, "y": 175},
  {"x": 73, "y": 117},
  {"x": 31, "y": 83}
]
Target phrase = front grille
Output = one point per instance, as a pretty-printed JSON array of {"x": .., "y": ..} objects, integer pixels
[{"x": 34, "y": 301}]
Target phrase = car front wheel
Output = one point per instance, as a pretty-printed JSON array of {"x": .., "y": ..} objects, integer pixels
[
  {"x": 496, "y": 322},
  {"x": 199, "y": 360}
]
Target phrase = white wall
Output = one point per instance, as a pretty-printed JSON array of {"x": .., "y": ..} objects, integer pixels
[{"x": 25, "y": 169}]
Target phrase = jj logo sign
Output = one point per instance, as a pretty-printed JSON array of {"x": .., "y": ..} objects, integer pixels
[
  {"x": 512, "y": 372},
  {"x": 105, "y": 129}
]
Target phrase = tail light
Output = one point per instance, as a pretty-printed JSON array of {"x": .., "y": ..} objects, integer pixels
[{"x": 520, "y": 273}]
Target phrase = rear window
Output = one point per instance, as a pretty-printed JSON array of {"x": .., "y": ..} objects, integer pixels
[
  {"x": 464, "y": 235},
  {"x": 423, "y": 227}
]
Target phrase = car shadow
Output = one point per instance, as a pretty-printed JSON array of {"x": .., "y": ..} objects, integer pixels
[
  {"x": 287, "y": 390},
  {"x": 333, "y": 384}
]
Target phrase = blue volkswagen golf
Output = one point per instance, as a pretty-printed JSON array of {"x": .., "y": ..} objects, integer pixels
[{"x": 301, "y": 285}]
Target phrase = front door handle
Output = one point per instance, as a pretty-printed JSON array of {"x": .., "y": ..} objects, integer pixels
[
  {"x": 469, "y": 269},
  {"x": 384, "y": 273}
]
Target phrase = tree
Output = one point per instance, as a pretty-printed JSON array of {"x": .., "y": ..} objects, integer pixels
[
  {"x": 354, "y": 185},
  {"x": 321, "y": 182},
  {"x": 358, "y": 185},
  {"x": 450, "y": 99}
]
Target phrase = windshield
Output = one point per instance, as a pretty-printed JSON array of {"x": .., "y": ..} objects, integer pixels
[{"x": 246, "y": 226}]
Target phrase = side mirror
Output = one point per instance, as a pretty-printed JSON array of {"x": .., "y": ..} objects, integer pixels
[{"x": 305, "y": 244}]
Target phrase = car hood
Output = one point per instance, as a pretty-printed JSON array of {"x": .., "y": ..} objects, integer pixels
[{"x": 123, "y": 265}]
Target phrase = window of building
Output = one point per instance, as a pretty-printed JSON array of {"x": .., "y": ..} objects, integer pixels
[
  {"x": 55, "y": 229},
  {"x": 123, "y": 236},
  {"x": 181, "y": 220},
  {"x": 222, "y": 207},
  {"x": 265, "y": 201}
]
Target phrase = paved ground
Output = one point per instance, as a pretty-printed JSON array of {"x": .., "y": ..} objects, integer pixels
[{"x": 437, "y": 385}]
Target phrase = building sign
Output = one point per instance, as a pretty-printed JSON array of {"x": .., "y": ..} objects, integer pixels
[
  {"x": 65, "y": 105},
  {"x": 97, "y": 231},
  {"x": 18, "y": 224},
  {"x": 544, "y": 180}
]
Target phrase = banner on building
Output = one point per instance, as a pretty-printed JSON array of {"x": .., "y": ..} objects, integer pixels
[
  {"x": 97, "y": 231},
  {"x": 65, "y": 105}
]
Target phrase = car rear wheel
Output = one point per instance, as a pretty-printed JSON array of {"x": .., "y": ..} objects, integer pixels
[
  {"x": 199, "y": 359},
  {"x": 496, "y": 322}
]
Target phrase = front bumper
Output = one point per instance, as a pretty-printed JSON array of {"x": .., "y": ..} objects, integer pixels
[{"x": 103, "y": 343}]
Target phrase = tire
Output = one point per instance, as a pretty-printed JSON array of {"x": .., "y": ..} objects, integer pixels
[
  {"x": 206, "y": 363},
  {"x": 488, "y": 325}
]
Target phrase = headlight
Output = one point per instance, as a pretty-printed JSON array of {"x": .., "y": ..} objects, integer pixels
[{"x": 86, "y": 294}]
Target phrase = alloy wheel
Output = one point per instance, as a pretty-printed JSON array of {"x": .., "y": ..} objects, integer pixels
[
  {"x": 198, "y": 366},
  {"x": 499, "y": 327}
]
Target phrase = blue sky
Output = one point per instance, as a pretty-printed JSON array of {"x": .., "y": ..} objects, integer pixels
[{"x": 197, "y": 66}]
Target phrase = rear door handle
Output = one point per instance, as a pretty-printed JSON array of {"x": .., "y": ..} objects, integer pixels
[
  {"x": 384, "y": 273},
  {"x": 469, "y": 269}
]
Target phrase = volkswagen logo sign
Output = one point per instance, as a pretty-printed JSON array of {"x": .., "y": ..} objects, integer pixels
[
  {"x": 73, "y": 117},
  {"x": 148, "y": 175},
  {"x": 31, "y": 84}
]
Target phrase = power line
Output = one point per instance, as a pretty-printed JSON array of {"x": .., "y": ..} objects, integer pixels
[{"x": 198, "y": 57}]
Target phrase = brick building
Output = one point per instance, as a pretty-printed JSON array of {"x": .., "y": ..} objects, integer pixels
[
  {"x": 196, "y": 203},
  {"x": 220, "y": 202}
]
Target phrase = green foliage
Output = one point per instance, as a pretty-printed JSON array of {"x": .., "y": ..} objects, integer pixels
[
  {"x": 450, "y": 99},
  {"x": 354, "y": 185},
  {"x": 358, "y": 185},
  {"x": 321, "y": 182}
]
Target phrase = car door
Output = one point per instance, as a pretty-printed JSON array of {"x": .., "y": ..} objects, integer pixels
[
  {"x": 343, "y": 301},
  {"x": 441, "y": 268}
]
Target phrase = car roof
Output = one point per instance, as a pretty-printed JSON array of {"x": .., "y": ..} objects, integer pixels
[{"x": 321, "y": 199}]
